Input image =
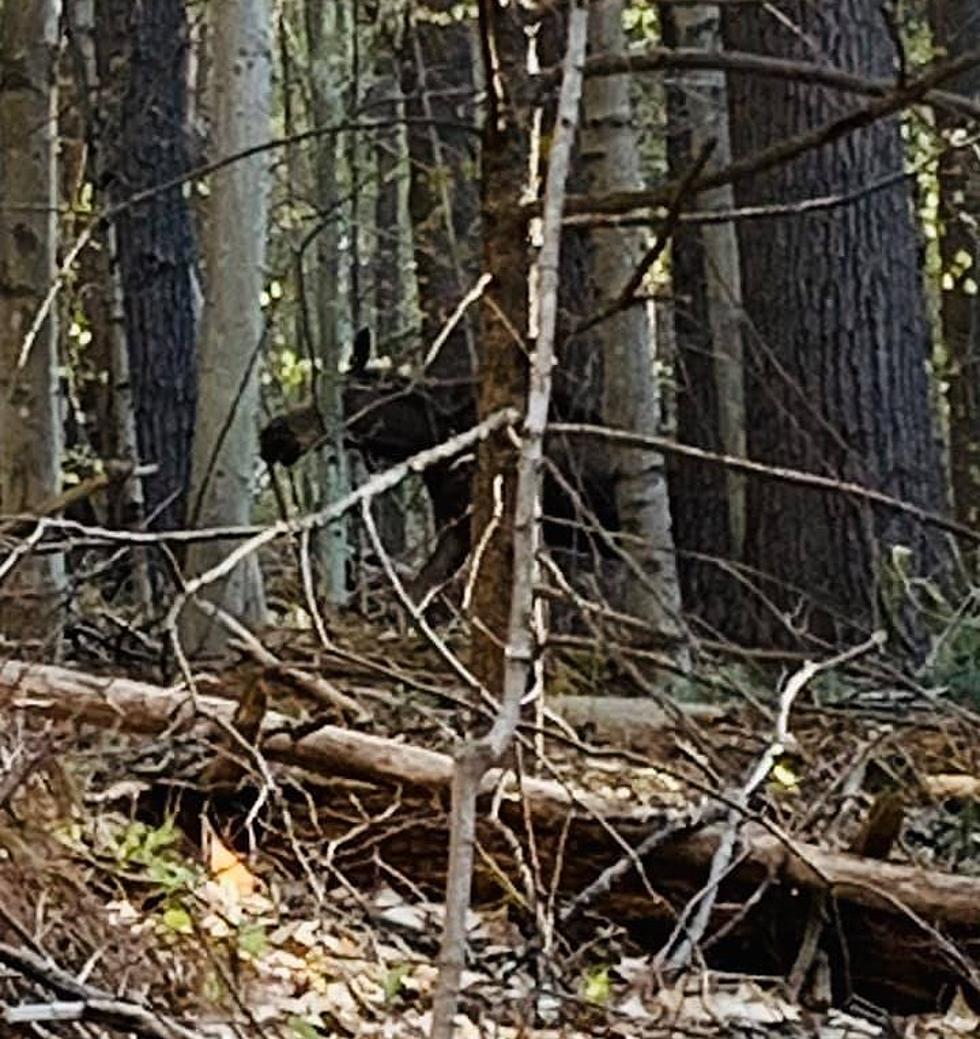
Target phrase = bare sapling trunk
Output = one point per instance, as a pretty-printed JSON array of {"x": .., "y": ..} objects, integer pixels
[{"x": 477, "y": 757}]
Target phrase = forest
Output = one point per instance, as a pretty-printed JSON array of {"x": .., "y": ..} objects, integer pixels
[{"x": 489, "y": 518}]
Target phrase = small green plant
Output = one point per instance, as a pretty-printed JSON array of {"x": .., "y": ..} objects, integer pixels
[
  {"x": 596, "y": 986},
  {"x": 153, "y": 851}
]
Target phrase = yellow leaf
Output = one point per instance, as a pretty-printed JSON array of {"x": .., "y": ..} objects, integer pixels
[
  {"x": 785, "y": 776},
  {"x": 227, "y": 868}
]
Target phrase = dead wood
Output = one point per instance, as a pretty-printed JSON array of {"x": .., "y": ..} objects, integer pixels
[{"x": 335, "y": 752}]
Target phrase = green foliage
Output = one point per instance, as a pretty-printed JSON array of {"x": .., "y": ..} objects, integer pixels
[
  {"x": 152, "y": 850},
  {"x": 641, "y": 21},
  {"x": 596, "y": 986},
  {"x": 303, "y": 1028},
  {"x": 177, "y": 919},
  {"x": 253, "y": 940},
  {"x": 394, "y": 980},
  {"x": 955, "y": 663}
]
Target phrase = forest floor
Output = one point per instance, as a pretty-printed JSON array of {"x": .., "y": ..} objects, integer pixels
[{"x": 295, "y": 890}]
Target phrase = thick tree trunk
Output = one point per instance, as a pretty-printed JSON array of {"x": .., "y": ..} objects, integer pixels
[
  {"x": 630, "y": 394},
  {"x": 956, "y": 28},
  {"x": 112, "y": 425},
  {"x": 30, "y": 420},
  {"x": 836, "y": 380},
  {"x": 226, "y": 444},
  {"x": 141, "y": 54},
  {"x": 708, "y": 503}
]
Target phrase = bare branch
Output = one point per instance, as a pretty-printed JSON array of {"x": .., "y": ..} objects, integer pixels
[
  {"x": 657, "y": 59},
  {"x": 784, "y": 150},
  {"x": 773, "y": 472},
  {"x": 476, "y": 758}
]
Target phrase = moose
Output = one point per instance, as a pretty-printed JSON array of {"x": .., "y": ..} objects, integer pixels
[{"x": 391, "y": 417}]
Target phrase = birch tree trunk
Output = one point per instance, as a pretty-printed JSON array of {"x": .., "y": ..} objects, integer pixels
[
  {"x": 630, "y": 396},
  {"x": 331, "y": 474},
  {"x": 30, "y": 421},
  {"x": 708, "y": 504},
  {"x": 226, "y": 446}
]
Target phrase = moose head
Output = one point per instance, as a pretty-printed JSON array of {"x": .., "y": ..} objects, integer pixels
[{"x": 391, "y": 417}]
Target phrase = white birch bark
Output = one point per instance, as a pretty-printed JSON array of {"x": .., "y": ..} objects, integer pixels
[
  {"x": 30, "y": 419},
  {"x": 226, "y": 447},
  {"x": 331, "y": 473},
  {"x": 630, "y": 395},
  {"x": 706, "y": 100}
]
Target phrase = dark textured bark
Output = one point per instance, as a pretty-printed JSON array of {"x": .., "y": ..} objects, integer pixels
[
  {"x": 956, "y": 28},
  {"x": 503, "y": 368},
  {"x": 141, "y": 51},
  {"x": 389, "y": 279},
  {"x": 437, "y": 65},
  {"x": 836, "y": 357}
]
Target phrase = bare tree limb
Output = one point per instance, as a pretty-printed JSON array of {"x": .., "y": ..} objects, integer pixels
[
  {"x": 657, "y": 59},
  {"x": 783, "y": 150},
  {"x": 81, "y": 1002},
  {"x": 476, "y": 758},
  {"x": 774, "y": 472}
]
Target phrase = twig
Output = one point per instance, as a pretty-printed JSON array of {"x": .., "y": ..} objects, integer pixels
[
  {"x": 627, "y": 295},
  {"x": 772, "y": 472},
  {"x": 786, "y": 149},
  {"x": 700, "y": 908},
  {"x": 657, "y": 59},
  {"x": 406, "y": 600},
  {"x": 376, "y": 485},
  {"x": 318, "y": 688},
  {"x": 477, "y": 757},
  {"x": 454, "y": 318},
  {"x": 81, "y": 1002}
]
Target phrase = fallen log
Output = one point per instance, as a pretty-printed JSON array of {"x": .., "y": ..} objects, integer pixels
[{"x": 330, "y": 751}]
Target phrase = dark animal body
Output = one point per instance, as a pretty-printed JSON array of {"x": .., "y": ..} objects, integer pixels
[{"x": 390, "y": 418}]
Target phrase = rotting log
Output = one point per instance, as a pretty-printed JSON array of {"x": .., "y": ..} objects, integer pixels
[{"x": 331, "y": 751}]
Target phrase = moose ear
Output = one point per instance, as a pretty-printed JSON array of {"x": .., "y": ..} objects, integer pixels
[{"x": 361, "y": 351}]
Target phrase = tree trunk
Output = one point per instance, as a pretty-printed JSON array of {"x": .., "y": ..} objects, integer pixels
[
  {"x": 630, "y": 396},
  {"x": 112, "y": 419},
  {"x": 141, "y": 55},
  {"x": 30, "y": 420},
  {"x": 393, "y": 287},
  {"x": 708, "y": 503},
  {"x": 437, "y": 72},
  {"x": 955, "y": 29},
  {"x": 836, "y": 380},
  {"x": 331, "y": 474},
  {"x": 226, "y": 445},
  {"x": 503, "y": 368}
]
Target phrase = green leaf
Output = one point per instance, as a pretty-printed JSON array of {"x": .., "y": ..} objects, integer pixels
[
  {"x": 597, "y": 988},
  {"x": 177, "y": 919},
  {"x": 253, "y": 940},
  {"x": 303, "y": 1028},
  {"x": 393, "y": 981}
]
